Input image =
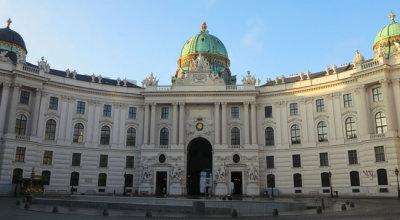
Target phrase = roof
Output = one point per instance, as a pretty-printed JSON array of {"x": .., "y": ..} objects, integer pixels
[
  {"x": 312, "y": 75},
  {"x": 204, "y": 43},
  {"x": 87, "y": 78}
]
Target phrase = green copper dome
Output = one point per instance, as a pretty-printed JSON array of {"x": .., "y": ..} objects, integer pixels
[
  {"x": 203, "y": 43},
  {"x": 387, "y": 36}
]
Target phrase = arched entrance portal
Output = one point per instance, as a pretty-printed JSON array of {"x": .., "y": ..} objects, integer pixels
[{"x": 199, "y": 167}]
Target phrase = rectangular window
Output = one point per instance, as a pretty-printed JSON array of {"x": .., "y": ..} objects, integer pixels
[
  {"x": 323, "y": 159},
  {"x": 379, "y": 154},
  {"x": 80, "y": 107},
  {"x": 377, "y": 94},
  {"x": 132, "y": 113},
  {"x": 24, "y": 98},
  {"x": 268, "y": 111},
  {"x": 164, "y": 112},
  {"x": 103, "y": 160},
  {"x": 48, "y": 157},
  {"x": 353, "y": 157},
  {"x": 270, "y": 162},
  {"x": 347, "y": 100},
  {"x": 53, "y": 103},
  {"x": 107, "y": 110},
  {"x": 320, "y": 105},
  {"x": 76, "y": 159},
  {"x": 235, "y": 112},
  {"x": 296, "y": 160},
  {"x": 293, "y": 109},
  {"x": 129, "y": 162},
  {"x": 20, "y": 154}
]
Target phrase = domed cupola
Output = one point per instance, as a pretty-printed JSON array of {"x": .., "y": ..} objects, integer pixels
[
  {"x": 12, "y": 42},
  {"x": 387, "y": 38},
  {"x": 211, "y": 48}
]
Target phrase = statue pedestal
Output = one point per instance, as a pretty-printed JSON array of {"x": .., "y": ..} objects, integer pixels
[
  {"x": 252, "y": 189},
  {"x": 145, "y": 189},
  {"x": 221, "y": 189},
  {"x": 176, "y": 189}
]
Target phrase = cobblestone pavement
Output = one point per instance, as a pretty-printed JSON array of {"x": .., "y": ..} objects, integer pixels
[{"x": 379, "y": 209}]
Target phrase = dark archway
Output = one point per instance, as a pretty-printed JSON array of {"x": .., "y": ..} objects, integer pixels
[{"x": 199, "y": 159}]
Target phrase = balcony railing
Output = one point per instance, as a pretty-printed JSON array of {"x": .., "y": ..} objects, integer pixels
[
  {"x": 162, "y": 146},
  {"x": 163, "y": 88},
  {"x": 377, "y": 136},
  {"x": 22, "y": 137},
  {"x": 30, "y": 69},
  {"x": 235, "y": 146},
  {"x": 234, "y": 87},
  {"x": 369, "y": 64}
]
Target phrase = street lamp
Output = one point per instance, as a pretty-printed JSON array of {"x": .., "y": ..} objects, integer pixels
[
  {"x": 396, "y": 171},
  {"x": 124, "y": 184},
  {"x": 330, "y": 182}
]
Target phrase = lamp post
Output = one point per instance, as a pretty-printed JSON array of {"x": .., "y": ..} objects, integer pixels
[
  {"x": 124, "y": 184},
  {"x": 330, "y": 182},
  {"x": 396, "y": 171}
]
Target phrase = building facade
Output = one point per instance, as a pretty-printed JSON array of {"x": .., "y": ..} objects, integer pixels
[{"x": 307, "y": 134}]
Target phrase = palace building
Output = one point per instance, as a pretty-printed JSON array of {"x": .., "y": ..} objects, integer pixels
[{"x": 208, "y": 132}]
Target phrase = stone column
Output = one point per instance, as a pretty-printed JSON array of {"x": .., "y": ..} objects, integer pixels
[
  {"x": 246, "y": 123},
  {"x": 362, "y": 121},
  {"x": 153, "y": 124},
  {"x": 310, "y": 120},
  {"x": 12, "y": 109},
  {"x": 3, "y": 105},
  {"x": 68, "y": 132},
  {"x": 389, "y": 107},
  {"x": 122, "y": 129},
  {"x": 216, "y": 123},
  {"x": 35, "y": 113},
  {"x": 42, "y": 110},
  {"x": 396, "y": 92},
  {"x": 90, "y": 124},
  {"x": 331, "y": 120},
  {"x": 146, "y": 124},
  {"x": 338, "y": 115},
  {"x": 276, "y": 115},
  {"x": 253, "y": 123},
  {"x": 304, "y": 119},
  {"x": 223, "y": 123},
  {"x": 284, "y": 122},
  {"x": 63, "y": 118},
  {"x": 174, "y": 123},
  {"x": 96, "y": 122},
  {"x": 115, "y": 115},
  {"x": 181, "y": 122}
]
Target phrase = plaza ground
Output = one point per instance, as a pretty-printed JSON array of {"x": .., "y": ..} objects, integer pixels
[{"x": 385, "y": 209}]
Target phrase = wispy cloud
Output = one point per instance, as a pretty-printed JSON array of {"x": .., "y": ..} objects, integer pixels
[{"x": 251, "y": 38}]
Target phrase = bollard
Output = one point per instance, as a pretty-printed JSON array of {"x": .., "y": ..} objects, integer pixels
[
  {"x": 234, "y": 213},
  {"x": 322, "y": 203},
  {"x": 275, "y": 213},
  {"x": 319, "y": 210},
  {"x": 347, "y": 202},
  {"x": 55, "y": 209},
  {"x": 105, "y": 212},
  {"x": 27, "y": 206},
  {"x": 148, "y": 214},
  {"x": 351, "y": 204},
  {"x": 344, "y": 207},
  {"x": 18, "y": 203}
]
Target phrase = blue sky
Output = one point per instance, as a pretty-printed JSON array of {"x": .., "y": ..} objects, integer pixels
[{"x": 133, "y": 38}]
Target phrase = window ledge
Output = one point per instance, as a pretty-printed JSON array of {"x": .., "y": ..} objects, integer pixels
[
  {"x": 297, "y": 167},
  {"x": 324, "y": 166},
  {"x": 17, "y": 161},
  {"x": 384, "y": 161}
]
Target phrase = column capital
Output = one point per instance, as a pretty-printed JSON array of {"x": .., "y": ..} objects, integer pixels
[
  {"x": 181, "y": 104},
  {"x": 175, "y": 104},
  {"x": 246, "y": 103},
  {"x": 388, "y": 82},
  {"x": 64, "y": 98},
  {"x": 153, "y": 104},
  {"x": 252, "y": 103},
  {"x": 16, "y": 85},
  {"x": 7, "y": 84},
  {"x": 217, "y": 103}
]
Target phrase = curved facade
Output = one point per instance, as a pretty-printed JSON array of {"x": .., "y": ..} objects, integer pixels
[{"x": 306, "y": 134}]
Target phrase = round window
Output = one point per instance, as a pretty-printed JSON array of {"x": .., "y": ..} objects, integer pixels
[
  {"x": 236, "y": 158},
  {"x": 161, "y": 158}
]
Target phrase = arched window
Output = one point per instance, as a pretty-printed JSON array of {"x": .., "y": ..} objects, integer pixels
[
  {"x": 105, "y": 135},
  {"x": 270, "y": 180},
  {"x": 17, "y": 175},
  {"x": 382, "y": 177},
  {"x": 269, "y": 136},
  {"x": 20, "y": 125},
  {"x": 295, "y": 134},
  {"x": 351, "y": 131},
  {"x": 354, "y": 178},
  {"x": 74, "y": 181},
  {"x": 102, "y": 179},
  {"x": 380, "y": 121},
  {"x": 50, "y": 133},
  {"x": 46, "y": 177},
  {"x": 235, "y": 136},
  {"x": 325, "y": 179},
  {"x": 131, "y": 137},
  {"x": 322, "y": 131},
  {"x": 128, "y": 180},
  {"x": 78, "y": 133},
  {"x": 297, "y": 181},
  {"x": 164, "y": 136}
]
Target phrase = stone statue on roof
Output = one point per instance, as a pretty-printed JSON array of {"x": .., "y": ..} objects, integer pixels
[{"x": 358, "y": 58}]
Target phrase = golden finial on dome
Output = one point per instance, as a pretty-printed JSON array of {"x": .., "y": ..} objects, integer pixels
[
  {"x": 392, "y": 16},
  {"x": 203, "y": 27},
  {"x": 8, "y": 22}
]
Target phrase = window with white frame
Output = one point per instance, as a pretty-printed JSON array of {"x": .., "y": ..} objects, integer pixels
[
  {"x": 320, "y": 105},
  {"x": 322, "y": 131},
  {"x": 350, "y": 125}
]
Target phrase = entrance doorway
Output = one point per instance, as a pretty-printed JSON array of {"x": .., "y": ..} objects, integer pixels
[
  {"x": 161, "y": 183},
  {"x": 236, "y": 179},
  {"x": 199, "y": 167}
]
